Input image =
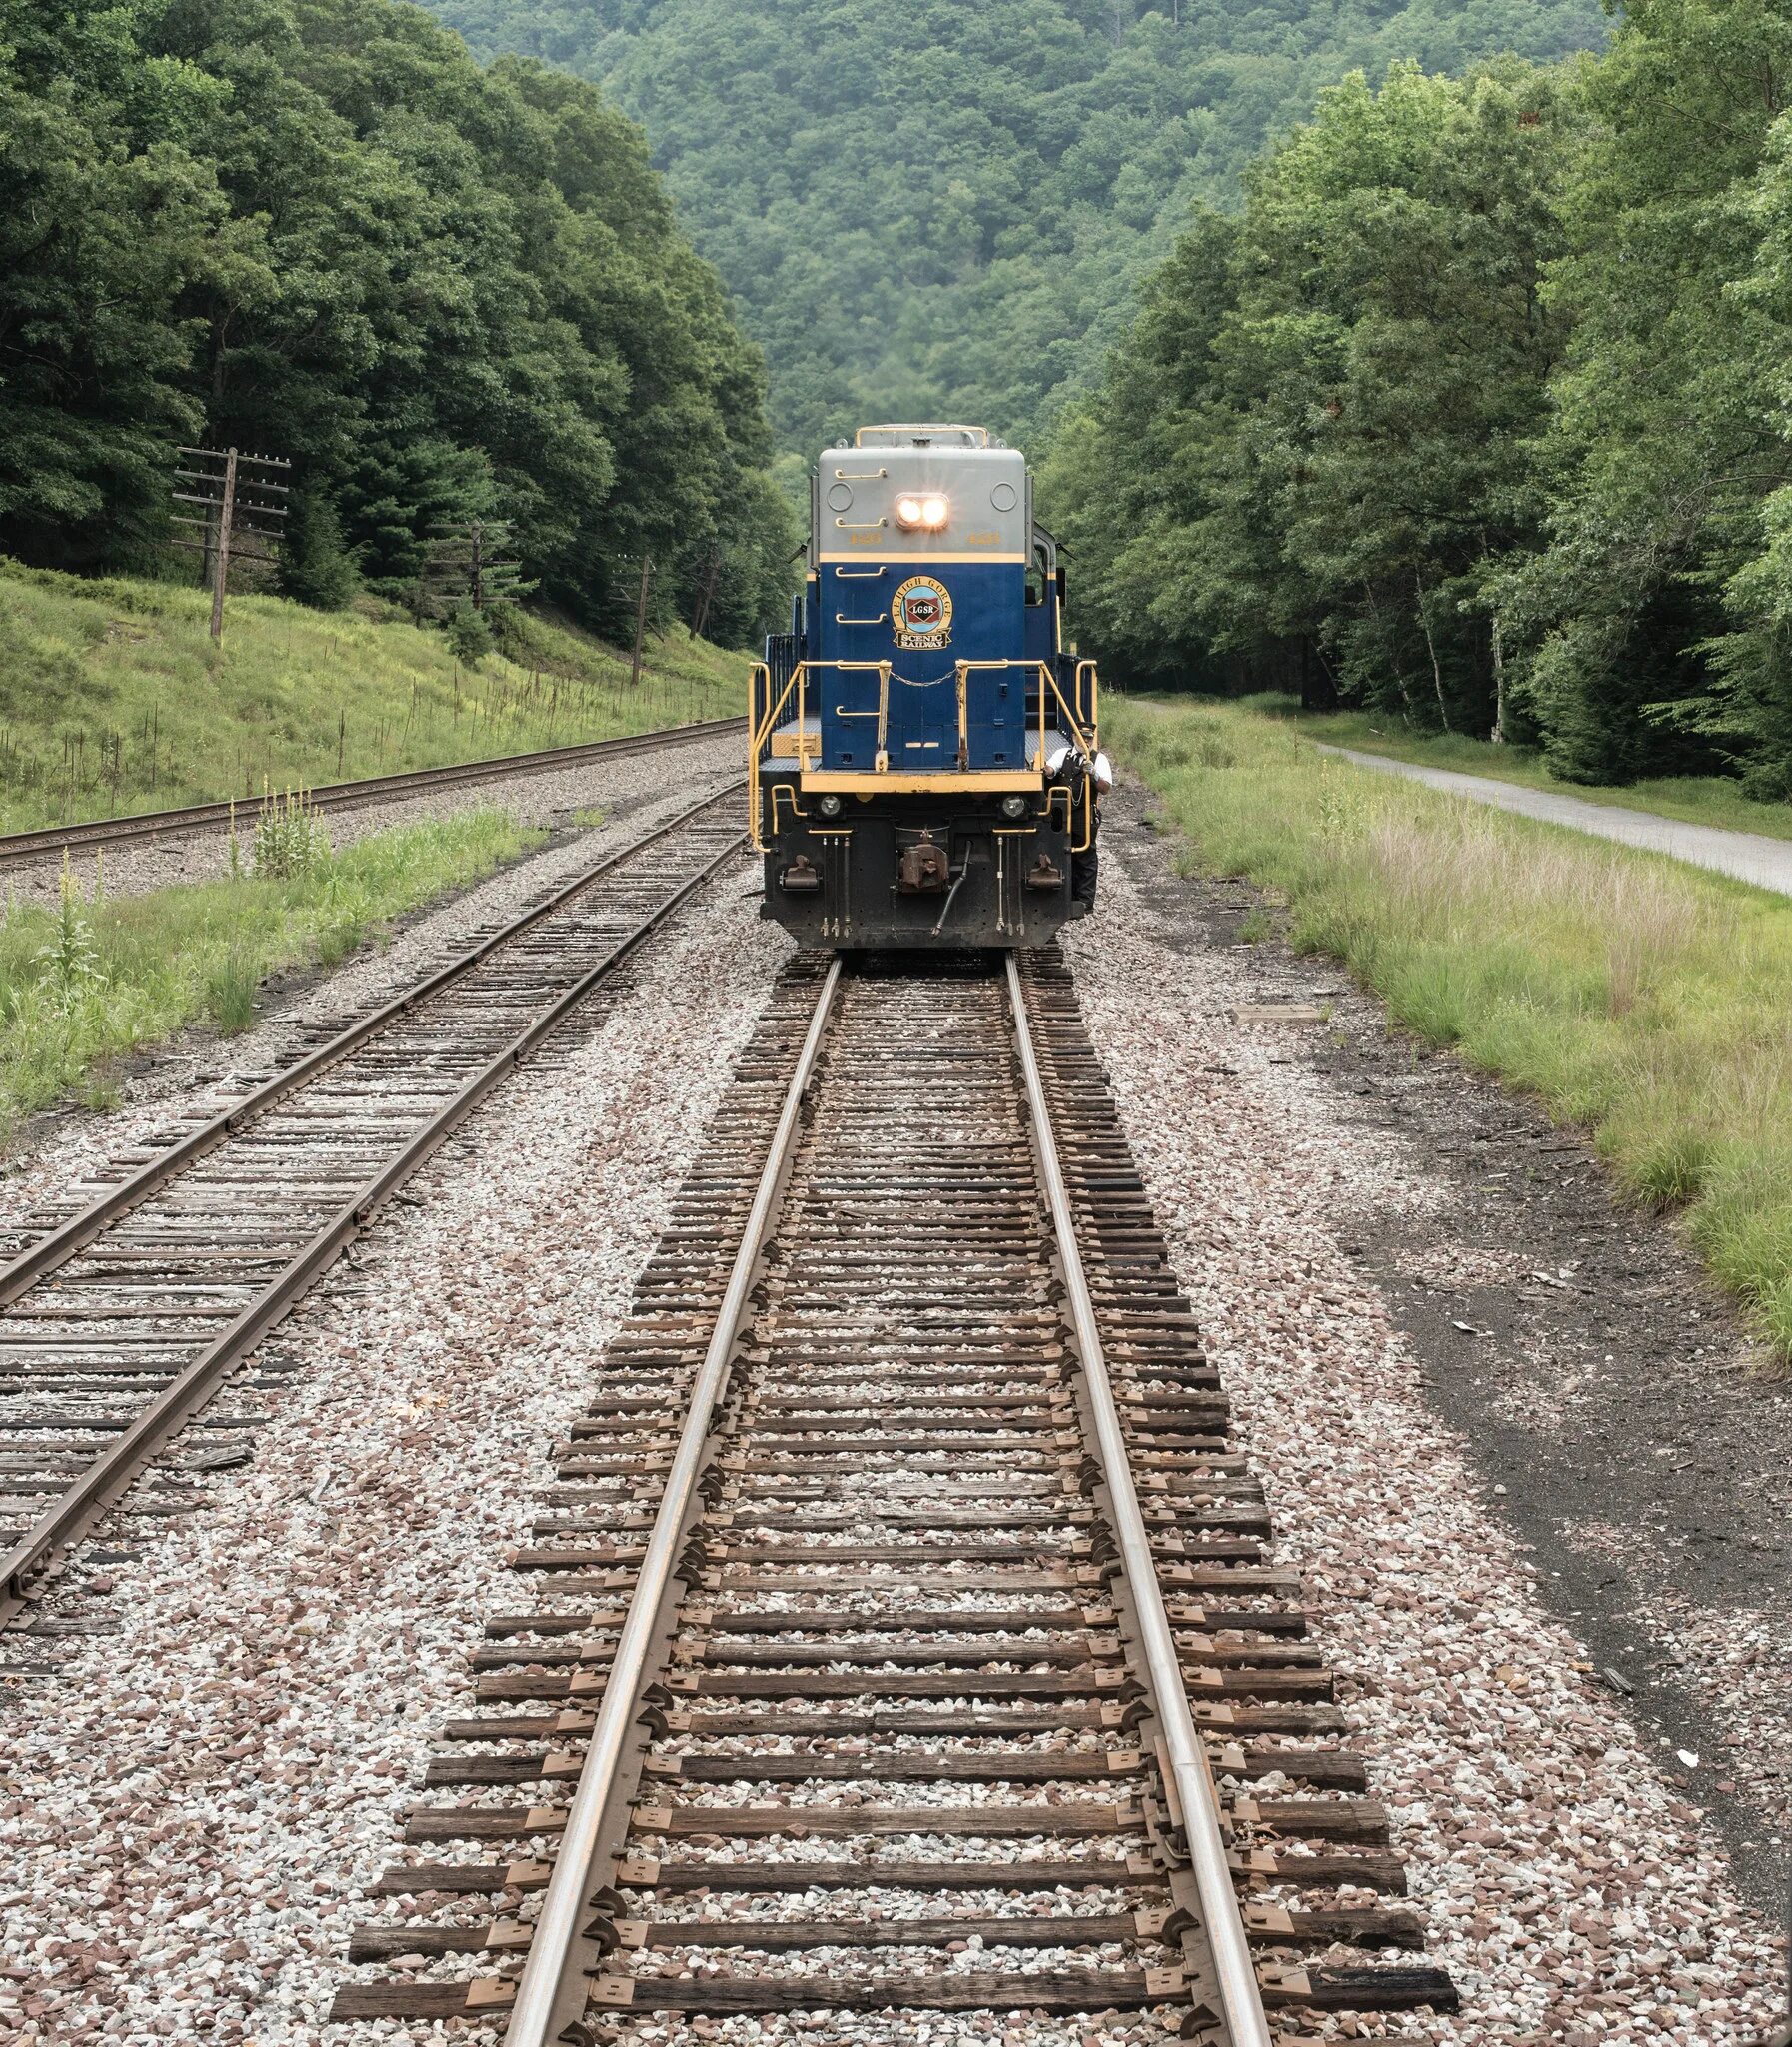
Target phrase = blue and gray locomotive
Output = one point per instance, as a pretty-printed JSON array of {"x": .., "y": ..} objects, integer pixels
[{"x": 924, "y": 768}]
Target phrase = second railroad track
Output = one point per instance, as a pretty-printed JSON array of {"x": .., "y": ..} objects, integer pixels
[
  {"x": 122, "y": 1311},
  {"x": 50, "y": 841}
]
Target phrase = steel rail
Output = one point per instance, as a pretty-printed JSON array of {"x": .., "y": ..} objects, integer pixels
[
  {"x": 58, "y": 1245},
  {"x": 1236, "y": 1979},
  {"x": 564, "y": 1907},
  {"x": 110, "y": 1475},
  {"x": 343, "y": 796}
]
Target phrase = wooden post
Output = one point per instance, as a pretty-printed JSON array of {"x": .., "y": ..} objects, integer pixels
[
  {"x": 706, "y": 597},
  {"x": 221, "y": 554},
  {"x": 647, "y": 568}
]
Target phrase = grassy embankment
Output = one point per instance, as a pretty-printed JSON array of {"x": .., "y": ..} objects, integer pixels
[
  {"x": 1698, "y": 799},
  {"x": 113, "y": 698},
  {"x": 106, "y": 976},
  {"x": 1633, "y": 994}
]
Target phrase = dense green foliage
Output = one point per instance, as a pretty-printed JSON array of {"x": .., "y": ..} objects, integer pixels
[
  {"x": 318, "y": 228},
  {"x": 929, "y": 209},
  {"x": 1476, "y": 414}
]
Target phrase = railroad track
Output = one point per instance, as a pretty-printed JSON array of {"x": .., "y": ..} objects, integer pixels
[
  {"x": 897, "y": 1638},
  {"x": 124, "y": 1310},
  {"x": 54, "y": 839}
]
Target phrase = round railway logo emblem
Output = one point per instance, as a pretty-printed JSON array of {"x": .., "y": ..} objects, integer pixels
[{"x": 921, "y": 613}]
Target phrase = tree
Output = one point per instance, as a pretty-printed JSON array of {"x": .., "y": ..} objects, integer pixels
[
  {"x": 1309, "y": 461},
  {"x": 321, "y": 227},
  {"x": 1654, "y": 607}
]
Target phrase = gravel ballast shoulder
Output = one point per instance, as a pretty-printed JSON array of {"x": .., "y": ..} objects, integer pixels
[
  {"x": 192, "y": 1802},
  {"x": 537, "y": 797},
  {"x": 632, "y": 794},
  {"x": 1573, "y": 1891}
]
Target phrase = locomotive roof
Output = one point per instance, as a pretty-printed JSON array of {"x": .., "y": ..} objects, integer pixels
[{"x": 923, "y": 435}]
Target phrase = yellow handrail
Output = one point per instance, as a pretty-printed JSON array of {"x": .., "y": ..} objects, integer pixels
[
  {"x": 1094, "y": 701},
  {"x": 757, "y": 737},
  {"x": 1085, "y": 739}
]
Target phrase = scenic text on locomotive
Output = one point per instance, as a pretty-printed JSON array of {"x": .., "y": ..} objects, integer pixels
[{"x": 923, "y": 763}]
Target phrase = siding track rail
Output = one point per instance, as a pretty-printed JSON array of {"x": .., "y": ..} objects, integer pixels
[
  {"x": 897, "y": 1638},
  {"x": 54, "y": 839},
  {"x": 120, "y": 1320}
]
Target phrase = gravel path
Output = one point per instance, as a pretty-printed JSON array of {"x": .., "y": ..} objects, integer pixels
[
  {"x": 637, "y": 792},
  {"x": 537, "y": 799},
  {"x": 1749, "y": 856},
  {"x": 190, "y": 1807},
  {"x": 1571, "y": 1889}
]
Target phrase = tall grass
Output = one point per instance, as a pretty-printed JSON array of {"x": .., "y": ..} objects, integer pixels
[
  {"x": 1640, "y": 998},
  {"x": 97, "y": 978},
  {"x": 1698, "y": 799},
  {"x": 113, "y": 698}
]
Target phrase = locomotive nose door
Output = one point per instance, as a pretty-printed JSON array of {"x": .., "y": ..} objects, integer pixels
[{"x": 923, "y": 711}]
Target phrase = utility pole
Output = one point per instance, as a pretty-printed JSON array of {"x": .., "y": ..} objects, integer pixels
[
  {"x": 466, "y": 561},
  {"x": 239, "y": 498},
  {"x": 647, "y": 568},
  {"x": 227, "y": 512},
  {"x": 700, "y": 614}
]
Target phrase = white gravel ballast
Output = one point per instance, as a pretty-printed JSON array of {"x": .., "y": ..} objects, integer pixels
[
  {"x": 1571, "y": 1891},
  {"x": 190, "y": 1806},
  {"x": 135, "y": 866},
  {"x": 638, "y": 793}
]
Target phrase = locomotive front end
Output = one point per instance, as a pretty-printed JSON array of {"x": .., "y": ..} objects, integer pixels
[{"x": 924, "y": 761}]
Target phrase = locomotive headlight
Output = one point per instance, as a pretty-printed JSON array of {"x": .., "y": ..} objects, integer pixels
[
  {"x": 1014, "y": 807},
  {"x": 928, "y": 513},
  {"x": 829, "y": 805}
]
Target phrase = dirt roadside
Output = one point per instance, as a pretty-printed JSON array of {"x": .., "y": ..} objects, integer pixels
[{"x": 1603, "y": 1385}]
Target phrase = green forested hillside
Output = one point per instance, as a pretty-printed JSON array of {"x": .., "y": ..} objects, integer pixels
[
  {"x": 1479, "y": 412},
  {"x": 317, "y": 228},
  {"x": 928, "y": 208}
]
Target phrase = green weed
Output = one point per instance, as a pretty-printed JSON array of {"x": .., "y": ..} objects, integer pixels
[
  {"x": 290, "y": 835},
  {"x": 86, "y": 982},
  {"x": 1635, "y": 995},
  {"x": 230, "y": 992}
]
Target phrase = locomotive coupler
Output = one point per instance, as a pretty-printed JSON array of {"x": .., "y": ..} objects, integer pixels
[{"x": 922, "y": 868}]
